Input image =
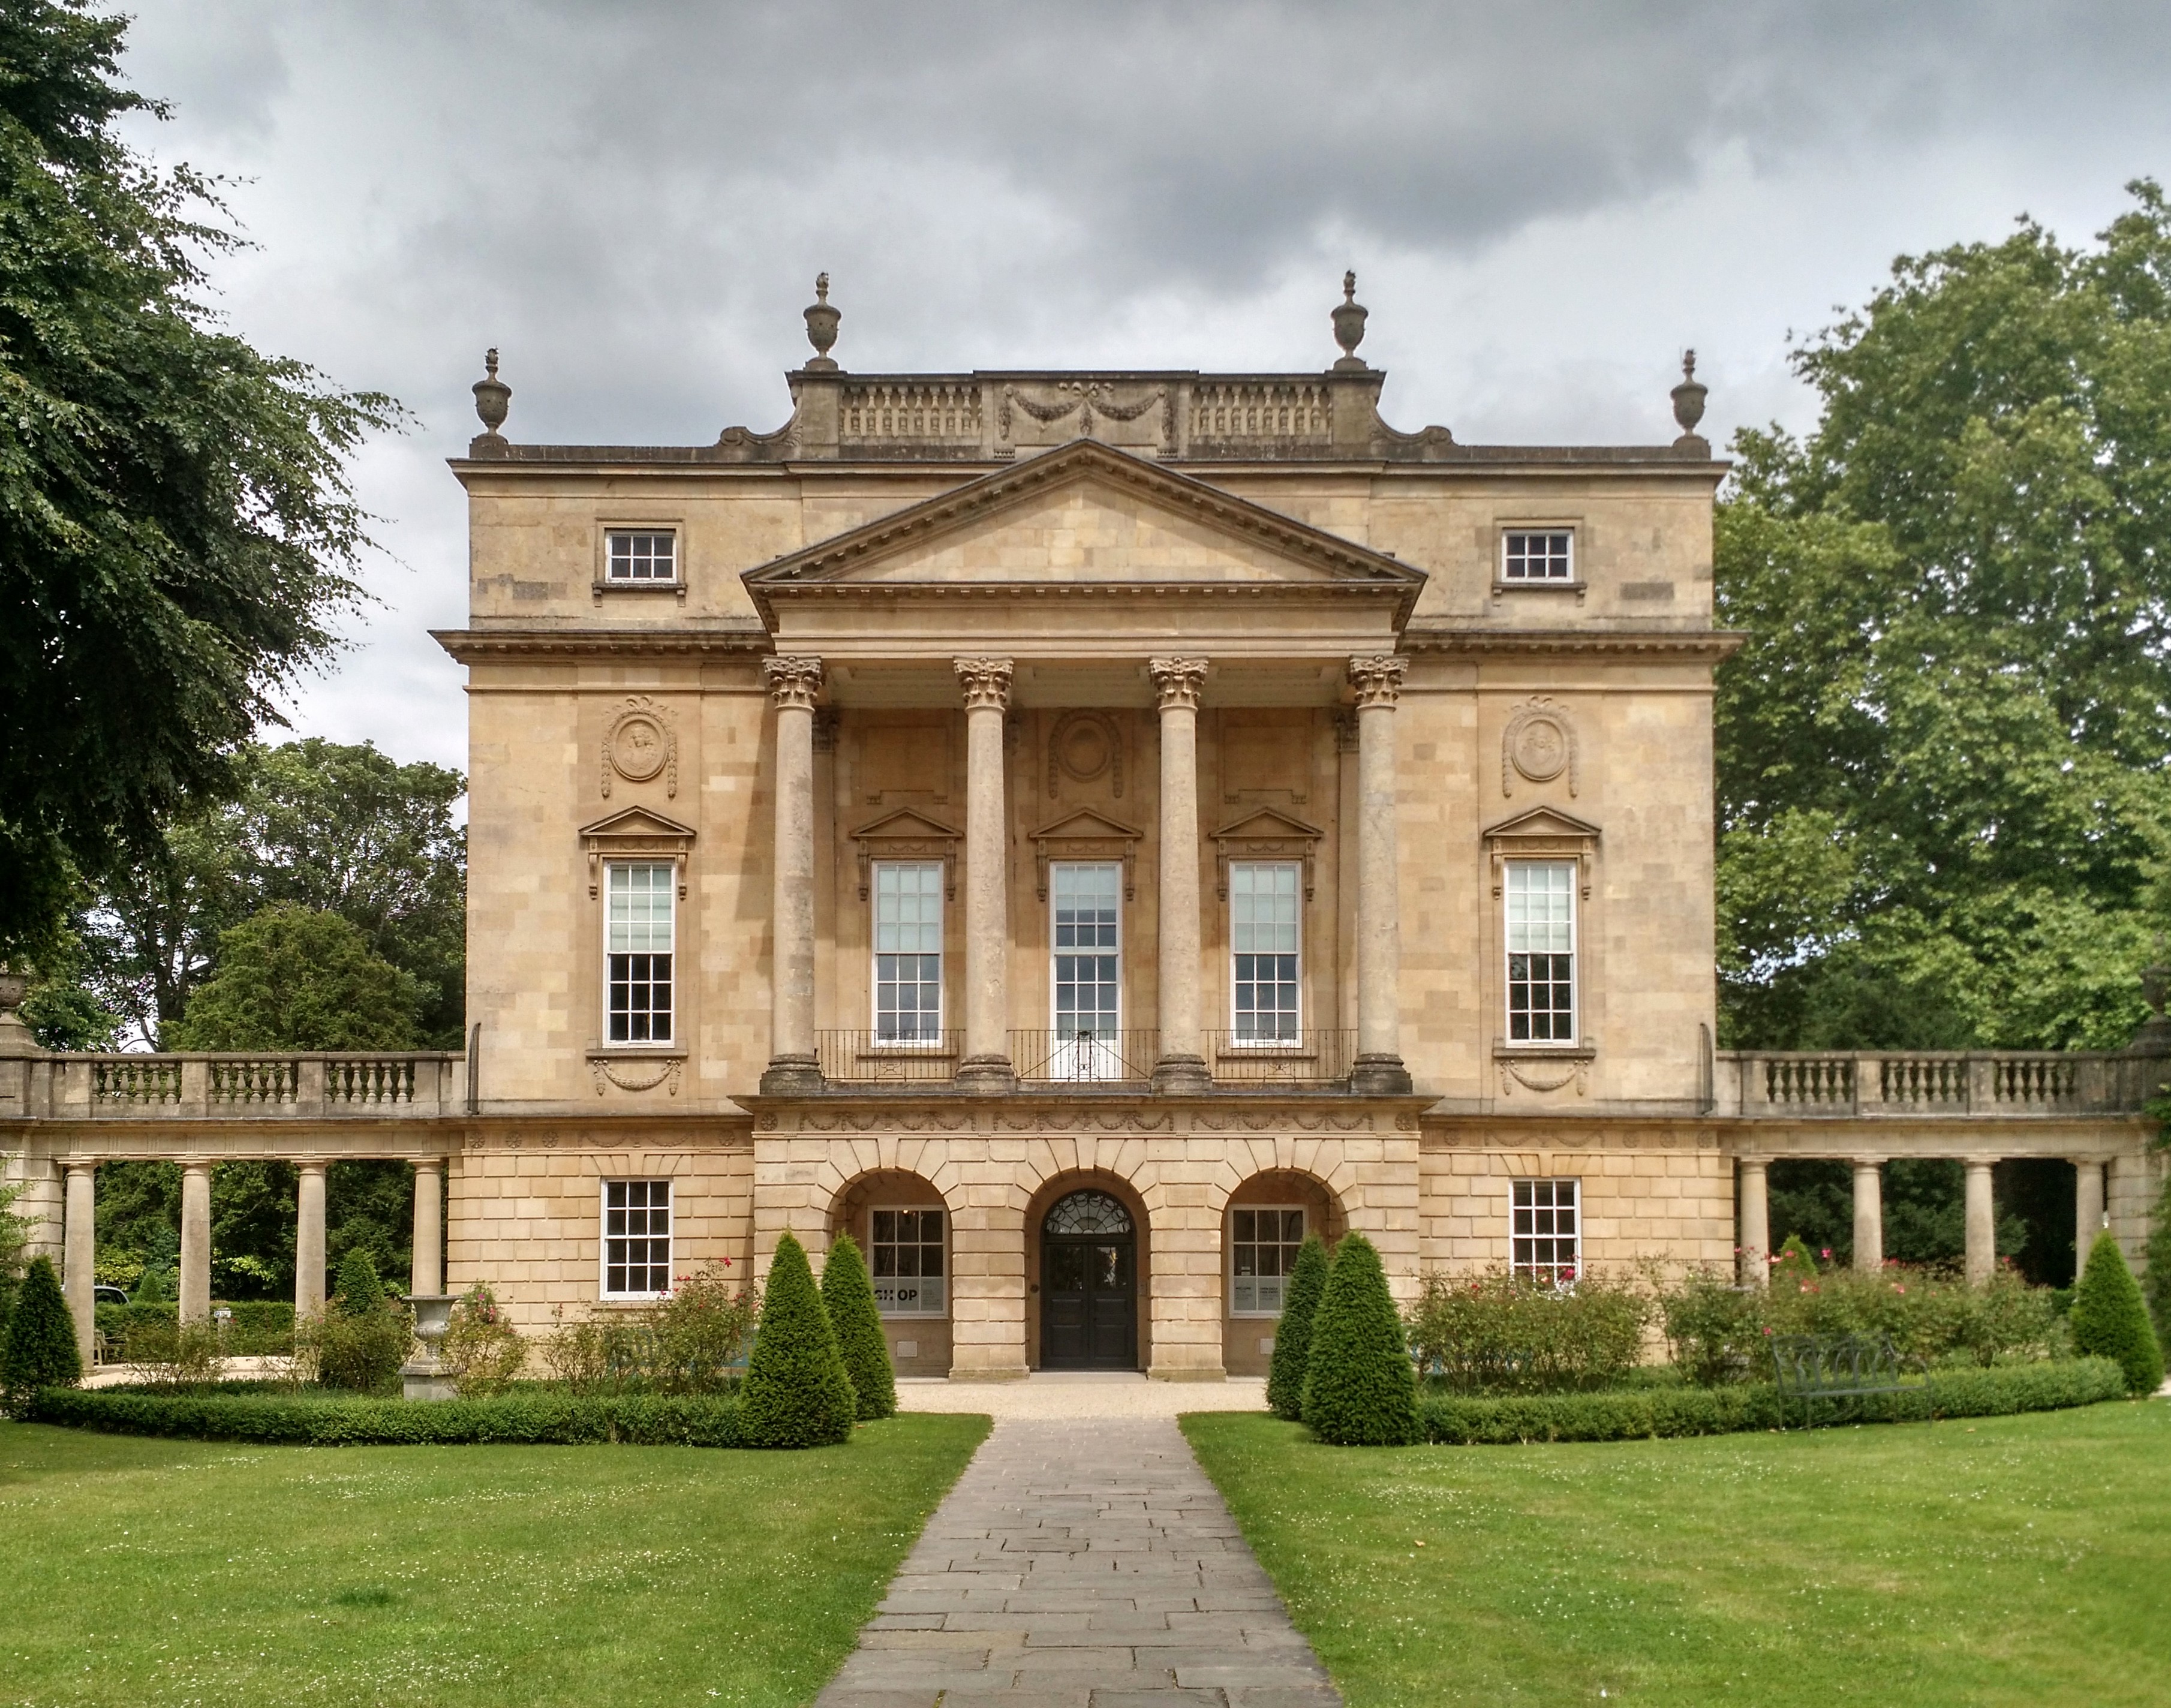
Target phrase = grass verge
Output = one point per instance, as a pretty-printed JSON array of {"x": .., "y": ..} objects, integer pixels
[
  {"x": 2013, "y": 1561},
  {"x": 144, "y": 1571}
]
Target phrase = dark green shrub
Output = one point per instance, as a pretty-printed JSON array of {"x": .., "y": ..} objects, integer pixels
[
  {"x": 1360, "y": 1389},
  {"x": 2158, "y": 1284},
  {"x": 311, "y": 1418},
  {"x": 1715, "y": 1331},
  {"x": 359, "y": 1288},
  {"x": 482, "y": 1351},
  {"x": 796, "y": 1392},
  {"x": 2109, "y": 1320},
  {"x": 1293, "y": 1333},
  {"x": 1500, "y": 1333},
  {"x": 848, "y": 1296},
  {"x": 254, "y": 1328},
  {"x": 1793, "y": 1264},
  {"x": 40, "y": 1350}
]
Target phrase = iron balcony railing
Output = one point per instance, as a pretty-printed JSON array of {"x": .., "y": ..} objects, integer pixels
[
  {"x": 1085, "y": 1057},
  {"x": 1250, "y": 1058},
  {"x": 887, "y": 1058}
]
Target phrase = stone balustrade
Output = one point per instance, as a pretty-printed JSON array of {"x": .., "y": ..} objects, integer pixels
[
  {"x": 1798, "y": 1085},
  {"x": 283, "y": 1085}
]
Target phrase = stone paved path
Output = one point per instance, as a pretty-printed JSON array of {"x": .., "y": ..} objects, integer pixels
[{"x": 1082, "y": 1565}]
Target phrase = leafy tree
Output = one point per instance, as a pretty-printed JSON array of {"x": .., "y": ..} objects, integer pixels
[
  {"x": 1360, "y": 1388},
  {"x": 2110, "y": 1321},
  {"x": 176, "y": 525},
  {"x": 41, "y": 1351},
  {"x": 1293, "y": 1333},
  {"x": 359, "y": 1288},
  {"x": 848, "y": 1296},
  {"x": 15, "y": 1232},
  {"x": 2159, "y": 1267},
  {"x": 796, "y": 1392},
  {"x": 292, "y": 979},
  {"x": 1943, "y": 799}
]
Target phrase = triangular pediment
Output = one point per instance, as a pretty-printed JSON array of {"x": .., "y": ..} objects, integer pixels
[
  {"x": 1086, "y": 825},
  {"x": 905, "y": 825},
  {"x": 1542, "y": 821},
  {"x": 1268, "y": 824},
  {"x": 636, "y": 821},
  {"x": 1083, "y": 513}
]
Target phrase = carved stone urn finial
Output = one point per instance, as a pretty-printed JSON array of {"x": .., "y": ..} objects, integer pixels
[
  {"x": 1688, "y": 406},
  {"x": 2154, "y": 1037},
  {"x": 16, "y": 1039},
  {"x": 1349, "y": 324},
  {"x": 822, "y": 323},
  {"x": 491, "y": 396}
]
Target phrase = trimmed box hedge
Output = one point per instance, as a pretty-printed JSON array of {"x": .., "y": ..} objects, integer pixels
[
  {"x": 1649, "y": 1413},
  {"x": 341, "y": 1420}
]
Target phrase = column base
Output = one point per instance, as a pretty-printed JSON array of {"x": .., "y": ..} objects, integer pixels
[
  {"x": 792, "y": 1076},
  {"x": 425, "y": 1380},
  {"x": 1183, "y": 1075},
  {"x": 986, "y": 1075},
  {"x": 1381, "y": 1076}
]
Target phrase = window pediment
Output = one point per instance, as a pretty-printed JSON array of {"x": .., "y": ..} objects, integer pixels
[
  {"x": 1543, "y": 834},
  {"x": 1267, "y": 835},
  {"x": 636, "y": 833},
  {"x": 907, "y": 835},
  {"x": 1086, "y": 835}
]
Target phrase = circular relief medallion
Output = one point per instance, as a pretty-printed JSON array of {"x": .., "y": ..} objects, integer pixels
[
  {"x": 1541, "y": 749},
  {"x": 637, "y": 749}
]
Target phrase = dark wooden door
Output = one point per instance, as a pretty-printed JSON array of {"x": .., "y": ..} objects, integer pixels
[{"x": 1089, "y": 1304}]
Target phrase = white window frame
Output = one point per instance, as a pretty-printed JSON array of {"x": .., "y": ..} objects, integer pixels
[
  {"x": 1236, "y": 1022},
  {"x": 1573, "y": 578},
  {"x": 1304, "y": 1229},
  {"x": 612, "y": 869},
  {"x": 1549, "y": 1272},
  {"x": 1574, "y": 953},
  {"x": 925, "y": 1313},
  {"x": 875, "y": 952},
  {"x": 1068, "y": 1059},
  {"x": 631, "y": 530},
  {"x": 604, "y": 1244}
]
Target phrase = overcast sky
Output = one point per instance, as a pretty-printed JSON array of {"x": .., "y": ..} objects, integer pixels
[{"x": 1544, "y": 203}]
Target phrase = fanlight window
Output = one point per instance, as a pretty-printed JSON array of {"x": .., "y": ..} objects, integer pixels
[{"x": 1088, "y": 1213}]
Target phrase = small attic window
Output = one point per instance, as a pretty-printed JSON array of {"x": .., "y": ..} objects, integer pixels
[
  {"x": 646, "y": 557},
  {"x": 1538, "y": 554}
]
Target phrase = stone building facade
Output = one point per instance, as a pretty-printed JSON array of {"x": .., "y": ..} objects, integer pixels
[{"x": 1081, "y": 832}]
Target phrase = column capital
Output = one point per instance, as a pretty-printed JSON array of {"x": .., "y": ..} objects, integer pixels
[
  {"x": 77, "y": 1166},
  {"x": 1178, "y": 681},
  {"x": 1377, "y": 679},
  {"x": 793, "y": 679},
  {"x": 986, "y": 682}
]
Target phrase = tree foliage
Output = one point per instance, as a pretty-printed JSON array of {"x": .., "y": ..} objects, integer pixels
[
  {"x": 1292, "y": 1332},
  {"x": 40, "y": 1350},
  {"x": 796, "y": 1392},
  {"x": 1943, "y": 805},
  {"x": 848, "y": 1296},
  {"x": 1360, "y": 1388},
  {"x": 292, "y": 979},
  {"x": 176, "y": 525}
]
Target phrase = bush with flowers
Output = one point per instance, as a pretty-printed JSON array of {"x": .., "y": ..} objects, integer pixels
[
  {"x": 692, "y": 1341},
  {"x": 1502, "y": 1333},
  {"x": 482, "y": 1351}
]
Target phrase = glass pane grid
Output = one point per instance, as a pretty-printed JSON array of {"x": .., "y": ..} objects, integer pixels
[
  {"x": 1545, "y": 1238},
  {"x": 643, "y": 557},
  {"x": 1264, "y": 923},
  {"x": 1541, "y": 920},
  {"x": 638, "y": 946},
  {"x": 1538, "y": 555},
  {"x": 906, "y": 1251},
  {"x": 636, "y": 1238},
  {"x": 1262, "y": 1248},
  {"x": 908, "y": 899}
]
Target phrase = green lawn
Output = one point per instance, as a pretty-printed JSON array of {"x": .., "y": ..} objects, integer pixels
[
  {"x": 162, "y": 1572},
  {"x": 2023, "y": 1560}
]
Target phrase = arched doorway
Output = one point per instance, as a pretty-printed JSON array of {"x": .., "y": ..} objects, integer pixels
[{"x": 1089, "y": 1316}]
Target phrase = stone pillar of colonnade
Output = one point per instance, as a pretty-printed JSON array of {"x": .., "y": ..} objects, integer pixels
[
  {"x": 1182, "y": 1066},
  {"x": 1869, "y": 1216},
  {"x": 986, "y": 1063},
  {"x": 793, "y": 1064},
  {"x": 1754, "y": 1233},
  {"x": 1982, "y": 1222},
  {"x": 1380, "y": 1071},
  {"x": 79, "y": 1254},
  {"x": 309, "y": 1239},
  {"x": 427, "y": 1275},
  {"x": 196, "y": 1242},
  {"x": 2087, "y": 1209}
]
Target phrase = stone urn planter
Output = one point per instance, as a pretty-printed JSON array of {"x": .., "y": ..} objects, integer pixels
[{"x": 424, "y": 1377}]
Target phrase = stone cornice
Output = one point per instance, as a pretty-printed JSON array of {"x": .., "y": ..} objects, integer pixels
[
  {"x": 482, "y": 645},
  {"x": 1709, "y": 645}
]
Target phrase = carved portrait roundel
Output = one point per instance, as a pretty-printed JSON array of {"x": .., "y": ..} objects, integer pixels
[
  {"x": 1539, "y": 745},
  {"x": 640, "y": 746}
]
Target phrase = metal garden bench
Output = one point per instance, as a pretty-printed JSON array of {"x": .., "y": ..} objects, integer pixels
[{"x": 1813, "y": 1367}]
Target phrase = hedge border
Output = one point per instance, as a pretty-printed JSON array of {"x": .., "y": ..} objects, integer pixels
[
  {"x": 1663, "y": 1413},
  {"x": 645, "y": 1420}
]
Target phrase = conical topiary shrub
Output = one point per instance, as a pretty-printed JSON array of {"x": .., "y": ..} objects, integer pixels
[
  {"x": 796, "y": 1392},
  {"x": 1359, "y": 1386},
  {"x": 848, "y": 1297},
  {"x": 359, "y": 1288},
  {"x": 40, "y": 1351},
  {"x": 1293, "y": 1333},
  {"x": 2110, "y": 1321},
  {"x": 1795, "y": 1266}
]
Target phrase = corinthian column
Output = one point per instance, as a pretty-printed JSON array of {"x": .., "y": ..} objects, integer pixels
[
  {"x": 1182, "y": 1067},
  {"x": 1380, "y": 1071},
  {"x": 793, "y": 1068},
  {"x": 986, "y": 1066}
]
